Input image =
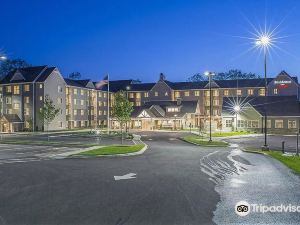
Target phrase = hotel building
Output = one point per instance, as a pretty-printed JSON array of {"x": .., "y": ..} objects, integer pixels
[{"x": 160, "y": 105}]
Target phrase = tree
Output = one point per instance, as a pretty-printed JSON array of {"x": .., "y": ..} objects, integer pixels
[
  {"x": 10, "y": 65},
  {"x": 229, "y": 75},
  {"x": 122, "y": 109},
  {"x": 48, "y": 112},
  {"x": 75, "y": 75}
]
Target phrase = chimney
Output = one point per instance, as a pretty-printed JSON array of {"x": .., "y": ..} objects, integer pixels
[
  {"x": 179, "y": 101},
  {"x": 162, "y": 77}
]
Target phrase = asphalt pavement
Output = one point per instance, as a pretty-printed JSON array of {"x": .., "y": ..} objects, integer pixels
[{"x": 173, "y": 182}]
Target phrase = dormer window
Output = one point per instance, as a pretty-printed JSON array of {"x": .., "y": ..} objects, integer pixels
[{"x": 172, "y": 109}]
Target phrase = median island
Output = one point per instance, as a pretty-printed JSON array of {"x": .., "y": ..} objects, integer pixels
[
  {"x": 198, "y": 140},
  {"x": 113, "y": 150}
]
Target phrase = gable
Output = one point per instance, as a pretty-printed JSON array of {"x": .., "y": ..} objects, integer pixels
[
  {"x": 17, "y": 76},
  {"x": 90, "y": 85},
  {"x": 213, "y": 84},
  {"x": 144, "y": 114}
]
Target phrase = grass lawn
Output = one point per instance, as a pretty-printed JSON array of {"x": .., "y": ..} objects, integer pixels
[
  {"x": 292, "y": 162},
  {"x": 113, "y": 150},
  {"x": 204, "y": 142},
  {"x": 232, "y": 133}
]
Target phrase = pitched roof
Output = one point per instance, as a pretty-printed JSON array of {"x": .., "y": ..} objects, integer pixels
[
  {"x": 46, "y": 74},
  {"x": 12, "y": 118},
  {"x": 154, "y": 106},
  {"x": 273, "y": 105},
  {"x": 29, "y": 74}
]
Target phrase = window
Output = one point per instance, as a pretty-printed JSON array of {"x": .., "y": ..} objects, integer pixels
[
  {"x": 104, "y": 112},
  {"x": 99, "y": 103},
  {"x": 82, "y": 112},
  {"x": 27, "y": 125},
  {"x": 138, "y": 95},
  {"x": 99, "y": 94},
  {"x": 8, "y": 100},
  {"x": 207, "y": 102},
  {"x": 207, "y": 112},
  {"x": 275, "y": 91},
  {"x": 207, "y": 93},
  {"x": 81, "y": 102},
  {"x": 75, "y": 91},
  {"x": 216, "y": 102},
  {"x": 75, "y": 112},
  {"x": 131, "y": 95},
  {"x": 41, "y": 98},
  {"x": 82, "y": 92},
  {"x": 60, "y": 124},
  {"x": 156, "y": 93},
  {"x": 241, "y": 123},
  {"x": 41, "y": 86},
  {"x": 250, "y": 91},
  {"x": 226, "y": 92},
  {"x": 26, "y": 87},
  {"x": 215, "y": 93},
  {"x": 173, "y": 109},
  {"x": 67, "y": 111},
  {"x": 137, "y": 103},
  {"x": 197, "y": 93},
  {"x": 16, "y": 106},
  {"x": 146, "y": 94},
  {"x": 67, "y": 91},
  {"x": 292, "y": 124},
  {"x": 262, "y": 92},
  {"x": 100, "y": 113},
  {"x": 59, "y": 89},
  {"x": 75, "y": 101},
  {"x": 8, "y": 111},
  {"x": 216, "y": 112},
  {"x": 104, "y": 95},
  {"x": 26, "y": 99},
  {"x": 26, "y": 111},
  {"x": 186, "y": 93},
  {"x": 228, "y": 123},
  {"x": 59, "y": 100},
  {"x": 166, "y": 94},
  {"x": 239, "y": 92},
  {"x": 278, "y": 123},
  {"x": 8, "y": 89},
  {"x": 104, "y": 104},
  {"x": 177, "y": 94}
]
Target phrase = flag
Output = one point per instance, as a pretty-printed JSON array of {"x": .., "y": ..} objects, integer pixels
[{"x": 101, "y": 83}]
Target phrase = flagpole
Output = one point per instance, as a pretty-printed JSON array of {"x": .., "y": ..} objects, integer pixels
[{"x": 108, "y": 124}]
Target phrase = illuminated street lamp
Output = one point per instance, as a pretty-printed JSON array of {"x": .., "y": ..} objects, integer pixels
[
  {"x": 236, "y": 109},
  {"x": 265, "y": 41},
  {"x": 209, "y": 74},
  {"x": 127, "y": 89},
  {"x": 3, "y": 58}
]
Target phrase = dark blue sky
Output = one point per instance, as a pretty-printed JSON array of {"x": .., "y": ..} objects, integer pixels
[{"x": 140, "y": 39}]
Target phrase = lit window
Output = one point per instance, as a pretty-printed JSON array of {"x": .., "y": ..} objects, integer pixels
[
  {"x": 250, "y": 91},
  {"x": 75, "y": 112},
  {"x": 216, "y": 112},
  {"x": 104, "y": 95},
  {"x": 156, "y": 93},
  {"x": 82, "y": 92},
  {"x": 177, "y": 94},
  {"x": 99, "y": 94},
  {"x": 131, "y": 95},
  {"x": 99, "y": 103},
  {"x": 292, "y": 124},
  {"x": 104, "y": 104},
  {"x": 239, "y": 92},
  {"x": 262, "y": 92},
  {"x": 8, "y": 111},
  {"x": 226, "y": 92},
  {"x": 81, "y": 102},
  {"x": 146, "y": 94},
  {"x": 104, "y": 112},
  {"x": 41, "y": 85},
  {"x": 75, "y": 91},
  {"x": 82, "y": 112},
  {"x": 8, "y": 89},
  {"x": 100, "y": 113},
  {"x": 26, "y": 100},
  {"x": 197, "y": 93},
  {"x": 75, "y": 101},
  {"x": 278, "y": 123},
  {"x": 215, "y": 93},
  {"x": 137, "y": 103},
  {"x": 138, "y": 95},
  {"x": 207, "y": 93},
  {"x": 67, "y": 91},
  {"x": 41, "y": 98},
  {"x": 16, "y": 106},
  {"x": 275, "y": 91},
  {"x": 207, "y": 102},
  {"x": 26, "y": 87},
  {"x": 186, "y": 93},
  {"x": 216, "y": 102}
]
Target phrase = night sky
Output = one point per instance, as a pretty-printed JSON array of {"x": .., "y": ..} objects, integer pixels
[{"x": 140, "y": 39}]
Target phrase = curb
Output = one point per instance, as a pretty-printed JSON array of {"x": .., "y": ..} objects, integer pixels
[{"x": 193, "y": 143}]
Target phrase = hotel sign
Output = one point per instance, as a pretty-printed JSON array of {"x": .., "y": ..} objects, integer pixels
[{"x": 282, "y": 82}]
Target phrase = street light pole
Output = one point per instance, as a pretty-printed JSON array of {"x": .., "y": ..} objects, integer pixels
[
  {"x": 265, "y": 147},
  {"x": 210, "y": 74}
]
